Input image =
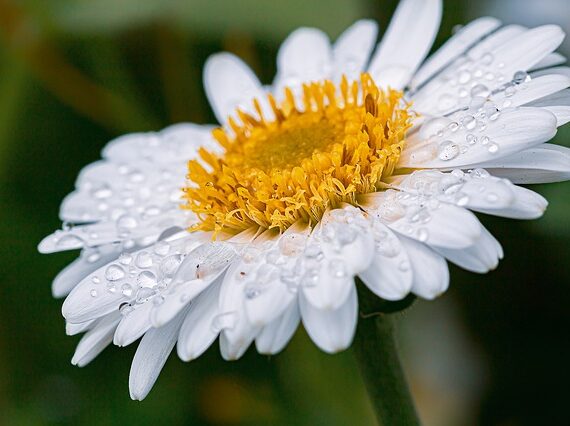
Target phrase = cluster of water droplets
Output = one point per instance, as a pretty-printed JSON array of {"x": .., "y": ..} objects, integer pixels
[
  {"x": 471, "y": 121},
  {"x": 142, "y": 275},
  {"x": 300, "y": 260}
]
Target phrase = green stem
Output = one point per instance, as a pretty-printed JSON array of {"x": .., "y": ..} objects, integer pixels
[{"x": 377, "y": 355}]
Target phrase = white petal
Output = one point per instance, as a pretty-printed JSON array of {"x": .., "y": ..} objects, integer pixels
[
  {"x": 526, "y": 204},
  {"x": 305, "y": 56},
  {"x": 535, "y": 90},
  {"x": 174, "y": 144},
  {"x": 513, "y": 131},
  {"x": 431, "y": 275},
  {"x": 347, "y": 249},
  {"x": 389, "y": 275},
  {"x": 73, "y": 329},
  {"x": 352, "y": 49},
  {"x": 438, "y": 224},
  {"x": 95, "y": 340},
  {"x": 543, "y": 164},
  {"x": 406, "y": 42},
  {"x": 494, "y": 40},
  {"x": 88, "y": 262},
  {"x": 237, "y": 332},
  {"x": 332, "y": 331},
  {"x": 230, "y": 84},
  {"x": 151, "y": 355},
  {"x": 482, "y": 257},
  {"x": 556, "y": 70},
  {"x": 557, "y": 103},
  {"x": 197, "y": 332},
  {"x": 453, "y": 47},
  {"x": 133, "y": 325},
  {"x": 274, "y": 336},
  {"x": 550, "y": 61},
  {"x": 490, "y": 71}
]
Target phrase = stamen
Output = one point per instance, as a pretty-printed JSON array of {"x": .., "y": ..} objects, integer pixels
[{"x": 313, "y": 154}]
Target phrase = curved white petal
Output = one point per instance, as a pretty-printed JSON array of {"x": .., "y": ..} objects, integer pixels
[
  {"x": 135, "y": 323},
  {"x": 406, "y": 42},
  {"x": 431, "y": 275},
  {"x": 332, "y": 331},
  {"x": 230, "y": 84},
  {"x": 511, "y": 132},
  {"x": 151, "y": 355},
  {"x": 551, "y": 60},
  {"x": 389, "y": 275},
  {"x": 275, "y": 335},
  {"x": 305, "y": 56},
  {"x": 95, "y": 340},
  {"x": 89, "y": 261},
  {"x": 424, "y": 218},
  {"x": 197, "y": 332},
  {"x": 543, "y": 164},
  {"x": 453, "y": 47},
  {"x": 352, "y": 49},
  {"x": 481, "y": 257}
]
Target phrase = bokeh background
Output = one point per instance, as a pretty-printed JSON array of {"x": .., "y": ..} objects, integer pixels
[{"x": 74, "y": 74}]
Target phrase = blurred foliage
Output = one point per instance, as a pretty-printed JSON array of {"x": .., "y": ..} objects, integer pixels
[{"x": 74, "y": 74}]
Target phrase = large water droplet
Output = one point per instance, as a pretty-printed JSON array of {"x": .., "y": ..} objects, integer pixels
[
  {"x": 448, "y": 150},
  {"x": 169, "y": 265},
  {"x": 146, "y": 279},
  {"x": 114, "y": 273},
  {"x": 143, "y": 260},
  {"x": 480, "y": 90}
]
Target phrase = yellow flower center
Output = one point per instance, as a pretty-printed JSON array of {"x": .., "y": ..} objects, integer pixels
[{"x": 338, "y": 143}]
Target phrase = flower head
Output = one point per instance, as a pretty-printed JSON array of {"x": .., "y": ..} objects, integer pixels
[{"x": 356, "y": 162}]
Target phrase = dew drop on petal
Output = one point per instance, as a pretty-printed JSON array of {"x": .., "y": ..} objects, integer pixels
[
  {"x": 143, "y": 260},
  {"x": 114, "y": 273},
  {"x": 146, "y": 279},
  {"x": 448, "y": 150}
]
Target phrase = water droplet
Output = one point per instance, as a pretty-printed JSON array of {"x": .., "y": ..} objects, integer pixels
[
  {"x": 448, "y": 150},
  {"x": 492, "y": 197},
  {"x": 114, "y": 273},
  {"x": 146, "y": 279},
  {"x": 487, "y": 58},
  {"x": 469, "y": 122},
  {"x": 127, "y": 290},
  {"x": 144, "y": 294},
  {"x": 433, "y": 126},
  {"x": 95, "y": 280},
  {"x": 93, "y": 256},
  {"x": 162, "y": 248},
  {"x": 126, "y": 222},
  {"x": 143, "y": 260},
  {"x": 471, "y": 139},
  {"x": 492, "y": 113},
  {"x": 464, "y": 77},
  {"x": 520, "y": 77},
  {"x": 252, "y": 291},
  {"x": 462, "y": 200},
  {"x": 136, "y": 176},
  {"x": 404, "y": 266},
  {"x": 101, "y": 192},
  {"x": 125, "y": 258},
  {"x": 493, "y": 148},
  {"x": 480, "y": 90},
  {"x": 169, "y": 265},
  {"x": 510, "y": 91},
  {"x": 337, "y": 268},
  {"x": 453, "y": 126},
  {"x": 485, "y": 140}
]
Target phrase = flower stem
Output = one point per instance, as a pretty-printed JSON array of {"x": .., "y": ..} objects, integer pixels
[{"x": 377, "y": 355}]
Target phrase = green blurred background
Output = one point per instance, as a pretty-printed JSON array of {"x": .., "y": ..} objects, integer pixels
[{"x": 74, "y": 74}]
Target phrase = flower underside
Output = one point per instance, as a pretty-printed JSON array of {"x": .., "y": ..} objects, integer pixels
[{"x": 341, "y": 142}]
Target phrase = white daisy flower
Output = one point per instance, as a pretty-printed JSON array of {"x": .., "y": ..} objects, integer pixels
[{"x": 360, "y": 160}]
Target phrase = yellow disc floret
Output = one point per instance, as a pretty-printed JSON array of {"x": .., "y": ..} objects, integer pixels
[{"x": 311, "y": 155}]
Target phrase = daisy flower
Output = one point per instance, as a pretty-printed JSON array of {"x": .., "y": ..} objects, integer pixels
[{"x": 360, "y": 160}]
